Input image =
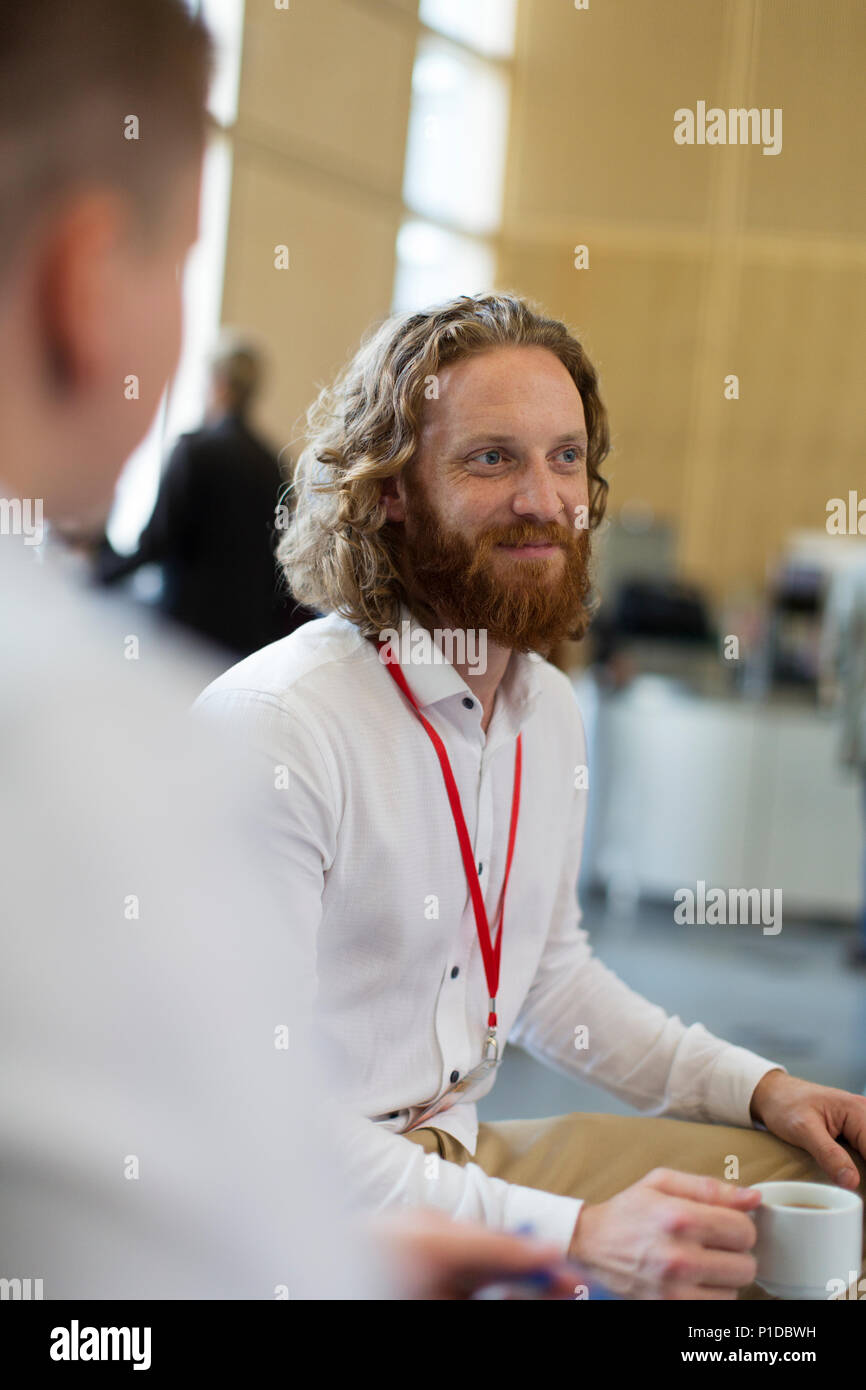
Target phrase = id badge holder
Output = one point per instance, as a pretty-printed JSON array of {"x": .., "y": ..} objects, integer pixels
[{"x": 466, "y": 1086}]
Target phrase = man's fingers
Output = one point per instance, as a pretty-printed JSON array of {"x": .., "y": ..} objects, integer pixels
[
  {"x": 699, "y": 1267},
  {"x": 699, "y": 1293},
  {"x": 813, "y": 1137},
  {"x": 703, "y": 1189},
  {"x": 854, "y": 1127},
  {"x": 713, "y": 1226},
  {"x": 443, "y": 1258},
  {"x": 484, "y": 1253}
]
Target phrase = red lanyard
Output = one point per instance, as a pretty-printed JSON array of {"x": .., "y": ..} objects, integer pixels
[{"x": 491, "y": 954}]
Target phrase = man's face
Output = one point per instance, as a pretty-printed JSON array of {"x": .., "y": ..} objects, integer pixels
[{"x": 496, "y": 500}]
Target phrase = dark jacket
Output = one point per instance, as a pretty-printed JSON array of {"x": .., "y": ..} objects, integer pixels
[{"x": 213, "y": 534}]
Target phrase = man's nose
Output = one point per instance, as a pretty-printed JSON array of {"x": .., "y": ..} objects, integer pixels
[{"x": 540, "y": 492}]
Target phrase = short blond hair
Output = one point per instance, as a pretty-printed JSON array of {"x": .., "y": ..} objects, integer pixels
[{"x": 72, "y": 74}]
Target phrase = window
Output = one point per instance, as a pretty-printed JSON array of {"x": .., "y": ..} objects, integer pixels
[
  {"x": 455, "y": 154},
  {"x": 487, "y": 26},
  {"x": 182, "y": 405}
]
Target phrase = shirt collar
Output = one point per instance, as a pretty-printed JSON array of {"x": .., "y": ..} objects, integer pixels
[{"x": 434, "y": 680}]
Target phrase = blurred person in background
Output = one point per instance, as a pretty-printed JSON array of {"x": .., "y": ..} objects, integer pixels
[
  {"x": 164, "y": 1131},
  {"x": 843, "y": 676},
  {"x": 213, "y": 527}
]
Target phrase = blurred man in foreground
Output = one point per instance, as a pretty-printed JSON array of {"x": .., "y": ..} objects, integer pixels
[{"x": 161, "y": 1134}]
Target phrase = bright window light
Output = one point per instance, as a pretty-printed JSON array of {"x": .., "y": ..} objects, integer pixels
[
  {"x": 136, "y": 488},
  {"x": 434, "y": 264},
  {"x": 202, "y": 293},
  {"x": 183, "y": 406},
  {"x": 225, "y": 20},
  {"x": 486, "y": 25},
  {"x": 455, "y": 156}
]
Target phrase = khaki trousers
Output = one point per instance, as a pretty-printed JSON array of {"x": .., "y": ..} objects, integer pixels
[{"x": 596, "y": 1156}]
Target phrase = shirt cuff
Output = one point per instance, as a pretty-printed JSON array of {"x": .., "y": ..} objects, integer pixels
[
  {"x": 552, "y": 1218},
  {"x": 732, "y": 1085}
]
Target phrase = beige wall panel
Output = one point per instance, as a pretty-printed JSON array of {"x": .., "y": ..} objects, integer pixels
[
  {"x": 810, "y": 62},
  {"x": 331, "y": 78},
  {"x": 797, "y": 435},
  {"x": 594, "y": 100},
  {"x": 311, "y": 316}
]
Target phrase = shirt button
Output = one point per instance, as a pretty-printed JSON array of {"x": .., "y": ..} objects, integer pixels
[
  {"x": 481, "y": 868},
  {"x": 470, "y": 704},
  {"x": 455, "y": 972},
  {"x": 455, "y": 1076}
]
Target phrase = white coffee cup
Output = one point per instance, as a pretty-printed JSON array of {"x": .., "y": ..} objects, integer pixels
[{"x": 810, "y": 1237}]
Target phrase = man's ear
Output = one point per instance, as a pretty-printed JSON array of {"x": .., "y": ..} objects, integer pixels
[
  {"x": 78, "y": 288},
  {"x": 394, "y": 497}
]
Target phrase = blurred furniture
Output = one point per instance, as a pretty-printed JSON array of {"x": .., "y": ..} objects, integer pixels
[{"x": 739, "y": 794}]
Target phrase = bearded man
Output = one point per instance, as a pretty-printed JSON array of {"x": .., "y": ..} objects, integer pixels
[{"x": 426, "y": 816}]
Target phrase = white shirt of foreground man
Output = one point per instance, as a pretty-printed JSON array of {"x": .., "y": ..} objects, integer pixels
[
  {"x": 157, "y": 1139},
  {"x": 370, "y": 869}
]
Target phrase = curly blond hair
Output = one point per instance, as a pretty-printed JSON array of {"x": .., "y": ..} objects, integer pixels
[{"x": 338, "y": 552}]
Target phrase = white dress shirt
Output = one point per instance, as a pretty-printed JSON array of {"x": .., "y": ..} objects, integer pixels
[
  {"x": 147, "y": 1145},
  {"x": 375, "y": 890}
]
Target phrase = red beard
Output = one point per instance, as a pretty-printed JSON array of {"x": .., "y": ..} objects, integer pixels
[{"x": 523, "y": 604}]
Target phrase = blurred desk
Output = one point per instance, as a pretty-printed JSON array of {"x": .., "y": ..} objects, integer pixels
[{"x": 735, "y": 792}]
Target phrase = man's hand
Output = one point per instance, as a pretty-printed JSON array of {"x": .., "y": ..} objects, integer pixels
[
  {"x": 813, "y": 1117},
  {"x": 670, "y": 1236},
  {"x": 430, "y": 1256}
]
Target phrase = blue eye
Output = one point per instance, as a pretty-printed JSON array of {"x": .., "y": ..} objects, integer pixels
[{"x": 486, "y": 456}]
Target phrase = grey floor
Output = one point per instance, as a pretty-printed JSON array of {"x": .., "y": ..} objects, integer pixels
[{"x": 789, "y": 997}]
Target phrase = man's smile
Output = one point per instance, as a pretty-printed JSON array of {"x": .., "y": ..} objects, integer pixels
[{"x": 531, "y": 549}]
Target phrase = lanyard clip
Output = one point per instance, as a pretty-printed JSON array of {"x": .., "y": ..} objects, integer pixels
[{"x": 491, "y": 1047}]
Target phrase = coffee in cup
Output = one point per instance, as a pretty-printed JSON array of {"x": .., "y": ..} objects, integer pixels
[{"x": 810, "y": 1237}]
